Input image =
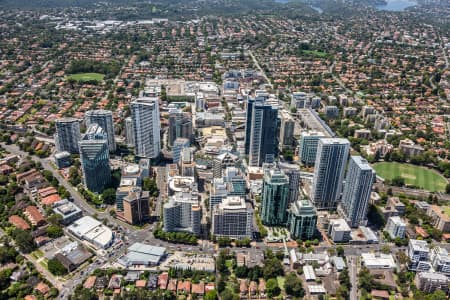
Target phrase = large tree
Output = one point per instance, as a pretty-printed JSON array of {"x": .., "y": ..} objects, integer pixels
[
  {"x": 109, "y": 196},
  {"x": 272, "y": 288},
  {"x": 56, "y": 267},
  {"x": 272, "y": 268},
  {"x": 293, "y": 285},
  {"x": 24, "y": 240}
]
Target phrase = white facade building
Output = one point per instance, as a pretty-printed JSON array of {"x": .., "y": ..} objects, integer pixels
[
  {"x": 378, "y": 261},
  {"x": 440, "y": 260},
  {"x": 92, "y": 231},
  {"x": 396, "y": 227},
  {"x": 339, "y": 231},
  {"x": 418, "y": 252}
]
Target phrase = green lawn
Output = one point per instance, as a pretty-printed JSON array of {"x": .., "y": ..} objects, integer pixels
[
  {"x": 281, "y": 280},
  {"x": 424, "y": 178},
  {"x": 315, "y": 53},
  {"x": 446, "y": 209},
  {"x": 87, "y": 76}
]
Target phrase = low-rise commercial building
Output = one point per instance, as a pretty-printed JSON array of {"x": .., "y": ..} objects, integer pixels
[
  {"x": 92, "y": 231},
  {"x": 142, "y": 254},
  {"x": 68, "y": 211},
  {"x": 72, "y": 256},
  {"x": 339, "y": 231},
  {"x": 378, "y": 261}
]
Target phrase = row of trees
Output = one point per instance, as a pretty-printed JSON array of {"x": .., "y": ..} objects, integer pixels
[{"x": 175, "y": 237}]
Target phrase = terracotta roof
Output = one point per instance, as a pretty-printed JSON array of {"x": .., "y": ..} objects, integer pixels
[
  {"x": 198, "y": 288},
  {"x": 262, "y": 285},
  {"x": 42, "y": 287},
  {"x": 380, "y": 294},
  {"x": 162, "y": 280},
  {"x": 19, "y": 222},
  {"x": 420, "y": 231},
  {"x": 51, "y": 199},
  {"x": 30, "y": 297},
  {"x": 172, "y": 286},
  {"x": 141, "y": 283},
  {"x": 90, "y": 282},
  {"x": 184, "y": 286},
  {"x": 209, "y": 287},
  {"x": 34, "y": 215},
  {"x": 45, "y": 192}
]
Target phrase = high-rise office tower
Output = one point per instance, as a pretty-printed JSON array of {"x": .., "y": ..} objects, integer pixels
[
  {"x": 307, "y": 148},
  {"x": 235, "y": 181},
  {"x": 67, "y": 135},
  {"x": 275, "y": 197},
  {"x": 180, "y": 125},
  {"x": 178, "y": 146},
  {"x": 136, "y": 207},
  {"x": 103, "y": 118},
  {"x": 217, "y": 193},
  {"x": 146, "y": 127},
  {"x": 357, "y": 189},
  {"x": 331, "y": 160},
  {"x": 261, "y": 139},
  {"x": 187, "y": 162},
  {"x": 302, "y": 220},
  {"x": 182, "y": 213},
  {"x": 222, "y": 161},
  {"x": 232, "y": 218},
  {"x": 94, "y": 156},
  {"x": 293, "y": 173},
  {"x": 129, "y": 132},
  {"x": 286, "y": 130}
]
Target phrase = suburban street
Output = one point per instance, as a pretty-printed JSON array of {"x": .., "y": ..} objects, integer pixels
[{"x": 352, "y": 264}]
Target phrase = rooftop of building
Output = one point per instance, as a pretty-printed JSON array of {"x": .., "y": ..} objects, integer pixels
[
  {"x": 432, "y": 276},
  {"x": 419, "y": 245},
  {"x": 65, "y": 207},
  {"x": 334, "y": 141},
  {"x": 340, "y": 224},
  {"x": 91, "y": 229},
  {"x": 361, "y": 162},
  {"x": 233, "y": 202},
  {"x": 377, "y": 260},
  {"x": 397, "y": 220},
  {"x": 303, "y": 207}
]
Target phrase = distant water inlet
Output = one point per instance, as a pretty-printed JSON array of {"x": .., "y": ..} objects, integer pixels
[
  {"x": 396, "y": 5},
  {"x": 317, "y": 9}
]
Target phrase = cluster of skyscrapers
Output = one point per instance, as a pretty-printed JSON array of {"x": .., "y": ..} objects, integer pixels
[
  {"x": 93, "y": 146},
  {"x": 339, "y": 182}
]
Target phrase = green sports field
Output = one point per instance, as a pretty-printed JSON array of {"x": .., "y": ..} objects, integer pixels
[
  {"x": 414, "y": 175},
  {"x": 87, "y": 76}
]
